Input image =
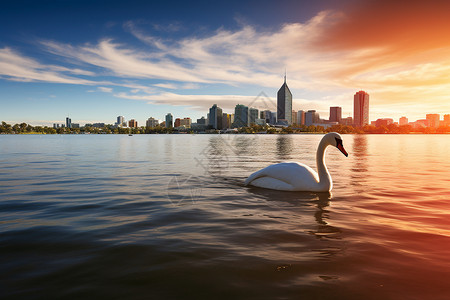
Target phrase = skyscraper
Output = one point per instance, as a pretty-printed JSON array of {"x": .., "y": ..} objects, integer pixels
[
  {"x": 301, "y": 117},
  {"x": 252, "y": 115},
  {"x": 68, "y": 122},
  {"x": 169, "y": 120},
  {"x": 361, "y": 108},
  {"x": 215, "y": 117},
  {"x": 120, "y": 121},
  {"x": 294, "y": 117},
  {"x": 433, "y": 120},
  {"x": 284, "y": 103},
  {"x": 335, "y": 114},
  {"x": 132, "y": 123},
  {"x": 240, "y": 116},
  {"x": 311, "y": 117},
  {"x": 151, "y": 122}
]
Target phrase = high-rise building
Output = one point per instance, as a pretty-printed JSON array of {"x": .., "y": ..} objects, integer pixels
[
  {"x": 177, "y": 123},
  {"x": 68, "y": 122},
  {"x": 284, "y": 104},
  {"x": 120, "y": 121},
  {"x": 311, "y": 117},
  {"x": 252, "y": 115},
  {"x": 169, "y": 120},
  {"x": 240, "y": 116},
  {"x": 361, "y": 109},
  {"x": 403, "y": 121},
  {"x": 301, "y": 117},
  {"x": 335, "y": 114},
  {"x": 132, "y": 123},
  {"x": 226, "y": 121},
  {"x": 433, "y": 120},
  {"x": 215, "y": 117},
  {"x": 186, "y": 122},
  {"x": 151, "y": 122},
  {"x": 294, "y": 117},
  {"x": 447, "y": 120}
]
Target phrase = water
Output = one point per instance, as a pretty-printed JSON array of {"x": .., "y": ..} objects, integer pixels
[{"x": 167, "y": 217}]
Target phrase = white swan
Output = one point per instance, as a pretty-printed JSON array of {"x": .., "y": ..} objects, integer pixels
[{"x": 296, "y": 176}]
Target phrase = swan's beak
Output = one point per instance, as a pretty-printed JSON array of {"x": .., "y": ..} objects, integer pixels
[{"x": 341, "y": 148}]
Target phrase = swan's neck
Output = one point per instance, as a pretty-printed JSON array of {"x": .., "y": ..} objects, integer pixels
[{"x": 324, "y": 175}]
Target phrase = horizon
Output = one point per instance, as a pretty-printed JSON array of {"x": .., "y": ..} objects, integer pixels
[{"x": 94, "y": 61}]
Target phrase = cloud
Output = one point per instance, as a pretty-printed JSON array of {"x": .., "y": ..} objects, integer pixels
[
  {"x": 105, "y": 89},
  {"x": 14, "y": 66}
]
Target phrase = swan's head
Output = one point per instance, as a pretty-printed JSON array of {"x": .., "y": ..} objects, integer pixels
[{"x": 335, "y": 139}]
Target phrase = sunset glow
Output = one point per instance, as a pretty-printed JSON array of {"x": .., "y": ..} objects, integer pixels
[{"x": 399, "y": 54}]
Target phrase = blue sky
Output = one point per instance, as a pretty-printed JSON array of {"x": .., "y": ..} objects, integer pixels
[{"x": 95, "y": 60}]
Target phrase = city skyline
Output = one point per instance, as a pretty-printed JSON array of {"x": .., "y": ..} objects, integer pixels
[{"x": 138, "y": 59}]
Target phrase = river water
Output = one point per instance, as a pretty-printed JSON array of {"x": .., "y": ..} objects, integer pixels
[{"x": 168, "y": 217}]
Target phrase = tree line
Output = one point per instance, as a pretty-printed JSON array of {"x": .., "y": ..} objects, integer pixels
[{"x": 24, "y": 128}]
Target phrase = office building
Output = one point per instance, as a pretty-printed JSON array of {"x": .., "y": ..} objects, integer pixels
[
  {"x": 120, "y": 121},
  {"x": 201, "y": 121},
  {"x": 215, "y": 117},
  {"x": 252, "y": 116},
  {"x": 177, "y": 123},
  {"x": 294, "y": 117},
  {"x": 301, "y": 117},
  {"x": 433, "y": 120},
  {"x": 169, "y": 120},
  {"x": 403, "y": 121},
  {"x": 447, "y": 120},
  {"x": 335, "y": 114},
  {"x": 240, "y": 116},
  {"x": 361, "y": 109},
  {"x": 226, "y": 121},
  {"x": 311, "y": 117},
  {"x": 186, "y": 122},
  {"x": 151, "y": 122},
  {"x": 132, "y": 123},
  {"x": 68, "y": 122},
  {"x": 284, "y": 104}
]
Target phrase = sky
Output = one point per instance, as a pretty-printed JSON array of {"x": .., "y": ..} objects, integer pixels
[{"x": 96, "y": 60}]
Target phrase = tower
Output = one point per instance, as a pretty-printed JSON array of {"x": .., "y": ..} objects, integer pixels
[
  {"x": 361, "y": 109},
  {"x": 284, "y": 103}
]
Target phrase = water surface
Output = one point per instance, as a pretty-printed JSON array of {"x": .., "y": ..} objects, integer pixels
[{"x": 167, "y": 217}]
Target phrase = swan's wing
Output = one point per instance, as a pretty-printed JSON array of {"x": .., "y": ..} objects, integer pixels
[
  {"x": 272, "y": 183},
  {"x": 290, "y": 173}
]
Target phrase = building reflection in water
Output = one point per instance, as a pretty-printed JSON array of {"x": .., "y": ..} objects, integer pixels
[{"x": 285, "y": 146}]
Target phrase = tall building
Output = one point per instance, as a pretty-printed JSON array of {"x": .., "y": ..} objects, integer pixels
[
  {"x": 169, "y": 120},
  {"x": 120, "y": 121},
  {"x": 433, "y": 120},
  {"x": 447, "y": 120},
  {"x": 361, "y": 109},
  {"x": 132, "y": 123},
  {"x": 403, "y": 121},
  {"x": 151, "y": 122},
  {"x": 335, "y": 114},
  {"x": 294, "y": 117},
  {"x": 177, "y": 123},
  {"x": 301, "y": 117},
  {"x": 252, "y": 115},
  {"x": 186, "y": 122},
  {"x": 215, "y": 117},
  {"x": 240, "y": 116},
  {"x": 284, "y": 103},
  {"x": 68, "y": 122},
  {"x": 226, "y": 121},
  {"x": 311, "y": 117}
]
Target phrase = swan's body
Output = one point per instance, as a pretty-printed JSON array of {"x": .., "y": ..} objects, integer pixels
[{"x": 296, "y": 176}]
